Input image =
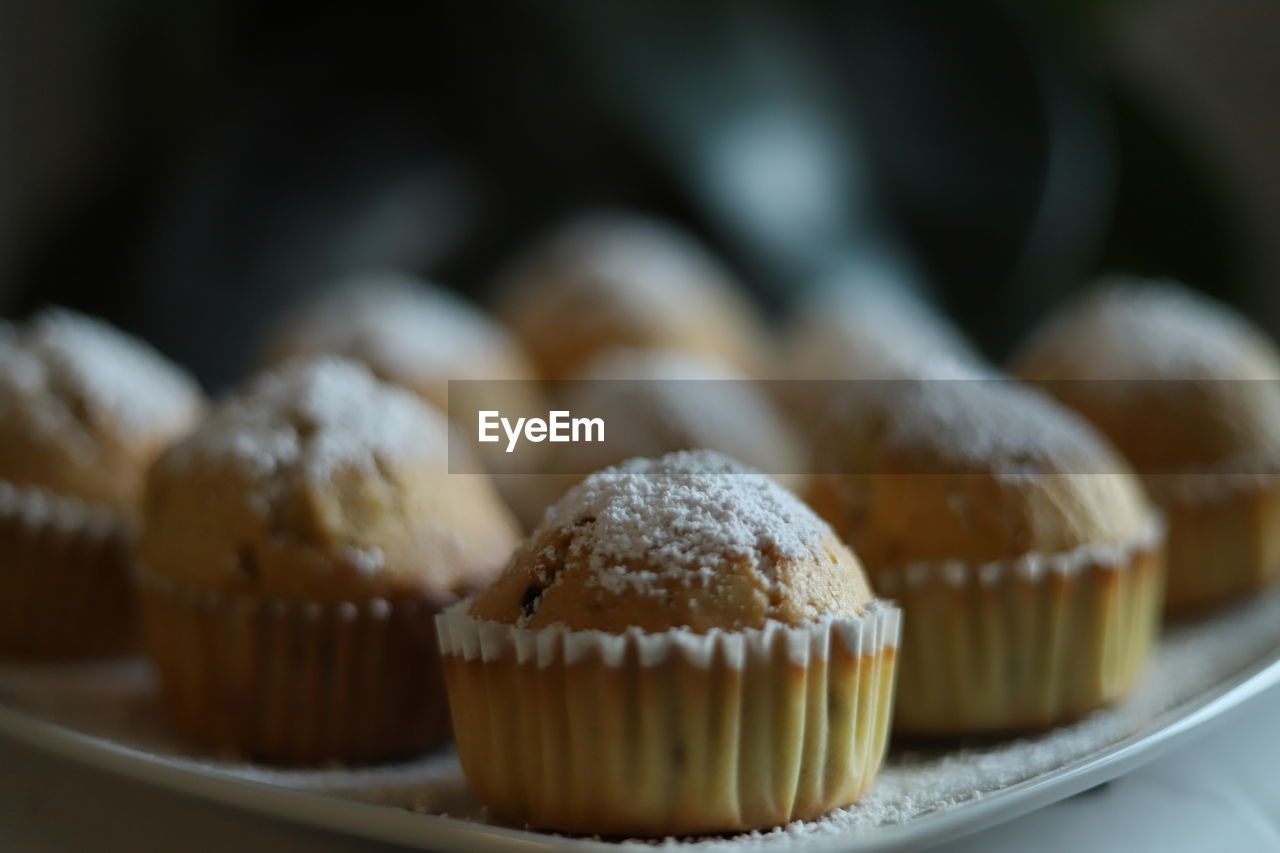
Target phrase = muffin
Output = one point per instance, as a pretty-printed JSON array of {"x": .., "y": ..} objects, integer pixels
[
  {"x": 293, "y": 553},
  {"x": 613, "y": 279},
  {"x": 1187, "y": 390},
  {"x": 682, "y": 647},
  {"x": 83, "y": 411},
  {"x": 658, "y": 401},
  {"x": 418, "y": 336},
  {"x": 847, "y": 338},
  {"x": 1024, "y": 553}
]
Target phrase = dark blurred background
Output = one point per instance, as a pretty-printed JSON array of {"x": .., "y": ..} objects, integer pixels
[{"x": 188, "y": 169}]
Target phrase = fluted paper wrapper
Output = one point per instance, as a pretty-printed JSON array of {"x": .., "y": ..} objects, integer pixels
[
  {"x": 671, "y": 733},
  {"x": 1224, "y": 537},
  {"x": 296, "y": 682},
  {"x": 1025, "y": 644},
  {"x": 64, "y": 577}
]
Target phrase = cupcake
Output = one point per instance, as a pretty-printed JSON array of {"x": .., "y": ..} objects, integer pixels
[
  {"x": 848, "y": 332},
  {"x": 846, "y": 340},
  {"x": 293, "y": 553},
  {"x": 682, "y": 647},
  {"x": 1186, "y": 390},
  {"x": 612, "y": 279},
  {"x": 417, "y": 336},
  {"x": 658, "y": 401},
  {"x": 1024, "y": 553},
  {"x": 84, "y": 409}
]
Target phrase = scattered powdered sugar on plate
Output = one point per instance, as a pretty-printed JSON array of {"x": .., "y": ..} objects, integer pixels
[
  {"x": 316, "y": 417},
  {"x": 689, "y": 512},
  {"x": 94, "y": 368},
  {"x": 1193, "y": 665}
]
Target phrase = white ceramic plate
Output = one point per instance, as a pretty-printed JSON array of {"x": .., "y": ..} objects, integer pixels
[{"x": 103, "y": 715}]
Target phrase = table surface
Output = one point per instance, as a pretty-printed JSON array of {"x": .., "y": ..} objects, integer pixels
[{"x": 1218, "y": 793}]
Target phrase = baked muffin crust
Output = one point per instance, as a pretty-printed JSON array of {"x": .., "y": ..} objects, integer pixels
[
  {"x": 84, "y": 408},
  {"x": 321, "y": 483},
  {"x": 692, "y": 540}
]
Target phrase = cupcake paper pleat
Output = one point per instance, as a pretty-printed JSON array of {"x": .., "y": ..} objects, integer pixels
[{"x": 670, "y": 733}]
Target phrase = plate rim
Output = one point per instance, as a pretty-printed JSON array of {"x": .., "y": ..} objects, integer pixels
[{"x": 401, "y": 826}]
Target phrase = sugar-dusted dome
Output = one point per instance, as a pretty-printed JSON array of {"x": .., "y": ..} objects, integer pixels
[
  {"x": 845, "y": 332},
  {"x": 974, "y": 471},
  {"x": 406, "y": 331},
  {"x": 692, "y": 539},
  {"x": 614, "y": 279},
  {"x": 321, "y": 483},
  {"x": 84, "y": 408},
  {"x": 1177, "y": 381}
]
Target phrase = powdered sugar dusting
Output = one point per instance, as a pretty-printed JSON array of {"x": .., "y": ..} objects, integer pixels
[
  {"x": 93, "y": 368},
  {"x": 999, "y": 424},
  {"x": 400, "y": 327},
  {"x": 621, "y": 263},
  {"x": 689, "y": 512},
  {"x": 1129, "y": 328},
  {"x": 658, "y": 400},
  {"x": 848, "y": 332},
  {"x": 316, "y": 417}
]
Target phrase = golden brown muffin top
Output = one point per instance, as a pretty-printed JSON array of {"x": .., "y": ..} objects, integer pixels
[
  {"x": 406, "y": 331},
  {"x": 612, "y": 279},
  {"x": 692, "y": 540},
  {"x": 84, "y": 408},
  {"x": 319, "y": 482},
  {"x": 973, "y": 471},
  {"x": 1177, "y": 381}
]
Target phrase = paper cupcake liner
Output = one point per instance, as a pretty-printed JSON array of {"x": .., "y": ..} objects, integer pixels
[
  {"x": 1025, "y": 644},
  {"x": 64, "y": 577},
  {"x": 296, "y": 682},
  {"x": 670, "y": 733},
  {"x": 1224, "y": 537}
]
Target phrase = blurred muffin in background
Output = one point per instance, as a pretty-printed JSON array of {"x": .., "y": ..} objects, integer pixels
[
  {"x": 1024, "y": 553},
  {"x": 611, "y": 279},
  {"x": 1188, "y": 391},
  {"x": 844, "y": 334},
  {"x": 293, "y": 552},
  {"x": 84, "y": 409},
  {"x": 418, "y": 336},
  {"x": 654, "y": 402}
]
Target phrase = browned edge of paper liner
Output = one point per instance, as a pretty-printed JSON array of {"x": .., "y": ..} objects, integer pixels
[
  {"x": 1024, "y": 644},
  {"x": 296, "y": 681},
  {"x": 65, "y": 590},
  {"x": 672, "y": 732},
  {"x": 1224, "y": 537}
]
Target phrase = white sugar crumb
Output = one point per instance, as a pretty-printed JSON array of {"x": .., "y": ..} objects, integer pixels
[
  {"x": 1130, "y": 328},
  {"x": 77, "y": 367},
  {"x": 690, "y": 513},
  {"x": 400, "y": 326},
  {"x": 314, "y": 418},
  {"x": 365, "y": 560}
]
